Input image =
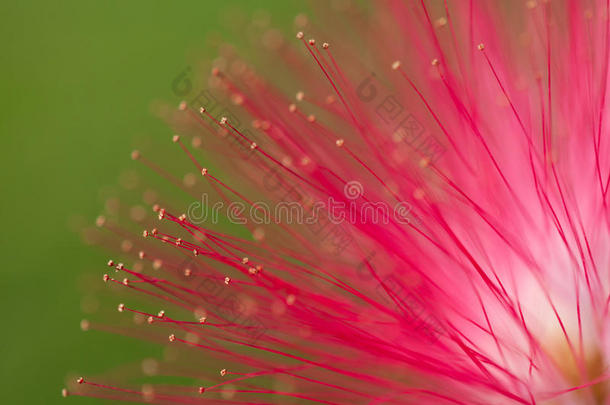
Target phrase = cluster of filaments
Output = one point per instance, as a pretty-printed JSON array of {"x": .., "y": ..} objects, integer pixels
[{"x": 439, "y": 308}]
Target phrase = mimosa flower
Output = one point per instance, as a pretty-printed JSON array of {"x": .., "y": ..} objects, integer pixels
[{"x": 445, "y": 165}]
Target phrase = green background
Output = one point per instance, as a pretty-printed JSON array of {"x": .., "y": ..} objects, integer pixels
[{"x": 77, "y": 79}]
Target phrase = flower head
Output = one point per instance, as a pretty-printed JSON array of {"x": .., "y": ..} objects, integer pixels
[{"x": 415, "y": 211}]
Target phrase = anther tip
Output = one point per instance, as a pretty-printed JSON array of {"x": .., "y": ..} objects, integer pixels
[
  {"x": 100, "y": 221},
  {"x": 85, "y": 325}
]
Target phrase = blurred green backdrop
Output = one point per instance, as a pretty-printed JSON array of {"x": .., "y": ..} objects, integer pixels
[{"x": 76, "y": 80}]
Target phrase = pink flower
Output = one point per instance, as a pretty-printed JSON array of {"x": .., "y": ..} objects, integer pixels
[{"x": 426, "y": 222}]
